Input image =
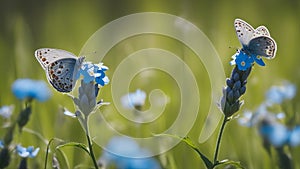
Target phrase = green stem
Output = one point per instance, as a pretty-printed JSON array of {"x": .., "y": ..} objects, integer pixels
[
  {"x": 219, "y": 141},
  {"x": 91, "y": 147}
]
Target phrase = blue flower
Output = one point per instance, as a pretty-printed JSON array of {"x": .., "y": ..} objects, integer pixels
[
  {"x": 6, "y": 111},
  {"x": 242, "y": 60},
  {"x": 294, "y": 139},
  {"x": 31, "y": 89},
  {"x": 125, "y": 153},
  {"x": 135, "y": 99},
  {"x": 275, "y": 133},
  {"x": 1, "y": 144},
  {"x": 27, "y": 152},
  {"x": 277, "y": 94},
  {"x": 250, "y": 119},
  {"x": 94, "y": 72}
]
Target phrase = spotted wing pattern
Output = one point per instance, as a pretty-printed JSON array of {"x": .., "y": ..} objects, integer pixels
[{"x": 60, "y": 66}]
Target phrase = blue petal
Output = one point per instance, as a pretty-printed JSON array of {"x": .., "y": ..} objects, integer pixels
[
  {"x": 294, "y": 139},
  {"x": 258, "y": 60},
  {"x": 276, "y": 134},
  {"x": 1, "y": 144},
  {"x": 34, "y": 153}
]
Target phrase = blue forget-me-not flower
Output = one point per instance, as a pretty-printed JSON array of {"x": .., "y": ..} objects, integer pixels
[
  {"x": 294, "y": 138},
  {"x": 94, "y": 72},
  {"x": 124, "y": 153},
  {"x": 275, "y": 133},
  {"x": 27, "y": 152},
  {"x": 269, "y": 127},
  {"x": 31, "y": 89},
  {"x": 277, "y": 94},
  {"x": 244, "y": 61}
]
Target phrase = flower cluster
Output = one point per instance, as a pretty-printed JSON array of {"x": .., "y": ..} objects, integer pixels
[
  {"x": 93, "y": 77},
  {"x": 93, "y": 72},
  {"x": 278, "y": 134},
  {"x": 245, "y": 61},
  {"x": 31, "y": 89},
  {"x": 236, "y": 87},
  {"x": 23, "y": 89},
  {"x": 269, "y": 125},
  {"x": 277, "y": 94},
  {"x": 126, "y": 153}
]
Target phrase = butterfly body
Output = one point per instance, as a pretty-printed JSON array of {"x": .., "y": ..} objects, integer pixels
[
  {"x": 257, "y": 42},
  {"x": 61, "y": 67}
]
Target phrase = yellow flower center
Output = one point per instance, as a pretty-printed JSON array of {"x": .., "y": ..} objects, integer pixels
[{"x": 243, "y": 63}]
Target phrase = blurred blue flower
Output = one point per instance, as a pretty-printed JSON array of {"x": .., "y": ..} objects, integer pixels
[
  {"x": 27, "y": 152},
  {"x": 31, "y": 89},
  {"x": 1, "y": 144},
  {"x": 125, "y": 153},
  {"x": 135, "y": 99},
  {"x": 294, "y": 139},
  {"x": 246, "y": 119},
  {"x": 250, "y": 119},
  {"x": 275, "y": 133},
  {"x": 91, "y": 72},
  {"x": 6, "y": 111},
  {"x": 277, "y": 94}
]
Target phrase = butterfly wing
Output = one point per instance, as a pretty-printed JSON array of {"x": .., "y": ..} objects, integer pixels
[
  {"x": 46, "y": 56},
  {"x": 261, "y": 31},
  {"x": 60, "y": 74},
  {"x": 244, "y": 31},
  {"x": 61, "y": 67},
  {"x": 262, "y": 46}
]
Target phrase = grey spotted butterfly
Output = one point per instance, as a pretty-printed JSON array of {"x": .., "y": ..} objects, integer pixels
[
  {"x": 257, "y": 41},
  {"x": 61, "y": 67}
]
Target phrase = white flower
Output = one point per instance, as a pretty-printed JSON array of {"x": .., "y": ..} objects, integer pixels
[
  {"x": 135, "y": 99},
  {"x": 6, "y": 111}
]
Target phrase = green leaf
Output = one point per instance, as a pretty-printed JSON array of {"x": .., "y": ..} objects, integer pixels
[
  {"x": 74, "y": 144},
  {"x": 62, "y": 159},
  {"x": 190, "y": 143},
  {"x": 235, "y": 164},
  {"x": 61, "y": 156},
  {"x": 167, "y": 161}
]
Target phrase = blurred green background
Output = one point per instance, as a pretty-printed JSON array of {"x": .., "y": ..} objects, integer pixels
[{"x": 29, "y": 25}]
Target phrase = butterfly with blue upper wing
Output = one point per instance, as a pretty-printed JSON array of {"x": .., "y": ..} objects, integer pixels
[{"x": 256, "y": 43}]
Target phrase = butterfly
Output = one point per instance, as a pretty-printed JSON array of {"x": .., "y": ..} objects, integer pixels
[
  {"x": 256, "y": 42},
  {"x": 61, "y": 67}
]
